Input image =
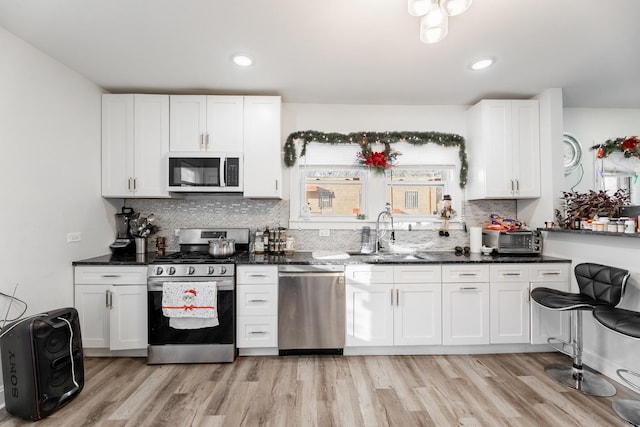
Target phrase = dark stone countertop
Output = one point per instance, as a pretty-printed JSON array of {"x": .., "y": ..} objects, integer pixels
[{"x": 444, "y": 257}]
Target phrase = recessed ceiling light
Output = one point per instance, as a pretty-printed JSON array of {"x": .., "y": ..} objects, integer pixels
[
  {"x": 482, "y": 63},
  {"x": 242, "y": 60}
]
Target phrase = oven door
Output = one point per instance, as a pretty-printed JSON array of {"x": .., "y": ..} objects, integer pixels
[{"x": 160, "y": 333}]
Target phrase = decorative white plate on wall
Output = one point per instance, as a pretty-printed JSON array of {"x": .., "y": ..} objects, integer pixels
[{"x": 572, "y": 153}]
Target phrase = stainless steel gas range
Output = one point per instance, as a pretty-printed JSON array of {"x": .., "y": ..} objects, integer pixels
[{"x": 189, "y": 269}]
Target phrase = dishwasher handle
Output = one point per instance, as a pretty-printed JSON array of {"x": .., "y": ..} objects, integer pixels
[{"x": 310, "y": 274}]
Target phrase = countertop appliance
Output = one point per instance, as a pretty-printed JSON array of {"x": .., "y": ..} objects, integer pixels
[
  {"x": 205, "y": 172},
  {"x": 518, "y": 242},
  {"x": 194, "y": 264},
  {"x": 311, "y": 307},
  {"x": 124, "y": 242}
]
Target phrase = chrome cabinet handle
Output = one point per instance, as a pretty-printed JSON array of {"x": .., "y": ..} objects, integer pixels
[
  {"x": 512, "y": 274},
  {"x": 109, "y": 299},
  {"x": 110, "y": 275},
  {"x": 258, "y": 300},
  {"x": 469, "y": 274},
  {"x": 397, "y": 297},
  {"x": 551, "y": 273},
  {"x": 469, "y": 288},
  {"x": 258, "y": 333},
  {"x": 202, "y": 141},
  {"x": 257, "y": 275},
  {"x": 206, "y": 141},
  {"x": 517, "y": 186}
]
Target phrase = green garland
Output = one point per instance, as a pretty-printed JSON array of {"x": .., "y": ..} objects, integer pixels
[{"x": 386, "y": 138}]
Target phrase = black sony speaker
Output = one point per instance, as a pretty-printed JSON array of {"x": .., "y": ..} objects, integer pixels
[{"x": 42, "y": 363}]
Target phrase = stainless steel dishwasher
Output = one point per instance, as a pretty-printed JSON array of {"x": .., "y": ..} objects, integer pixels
[{"x": 311, "y": 309}]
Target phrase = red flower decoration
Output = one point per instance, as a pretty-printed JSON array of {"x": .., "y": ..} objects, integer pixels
[
  {"x": 377, "y": 159},
  {"x": 630, "y": 143},
  {"x": 600, "y": 153}
]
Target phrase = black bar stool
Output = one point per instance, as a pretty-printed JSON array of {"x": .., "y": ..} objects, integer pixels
[
  {"x": 627, "y": 323},
  {"x": 599, "y": 285}
]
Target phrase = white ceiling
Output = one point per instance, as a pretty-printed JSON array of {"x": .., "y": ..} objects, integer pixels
[{"x": 342, "y": 51}]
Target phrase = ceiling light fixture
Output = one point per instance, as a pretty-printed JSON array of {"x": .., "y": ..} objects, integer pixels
[
  {"x": 482, "y": 63},
  {"x": 434, "y": 24},
  {"x": 242, "y": 60}
]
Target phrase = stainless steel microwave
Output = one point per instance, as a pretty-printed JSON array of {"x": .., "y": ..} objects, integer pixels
[{"x": 205, "y": 172}]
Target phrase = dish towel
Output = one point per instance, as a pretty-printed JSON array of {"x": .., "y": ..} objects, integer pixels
[{"x": 190, "y": 305}]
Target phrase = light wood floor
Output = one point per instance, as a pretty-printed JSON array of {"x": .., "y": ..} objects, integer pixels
[{"x": 469, "y": 390}]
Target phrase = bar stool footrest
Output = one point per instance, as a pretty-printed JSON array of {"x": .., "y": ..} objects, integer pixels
[{"x": 560, "y": 345}]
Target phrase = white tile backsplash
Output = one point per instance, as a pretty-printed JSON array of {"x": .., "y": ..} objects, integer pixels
[{"x": 238, "y": 212}]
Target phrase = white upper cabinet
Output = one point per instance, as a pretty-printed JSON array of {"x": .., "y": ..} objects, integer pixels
[
  {"x": 135, "y": 143},
  {"x": 503, "y": 146},
  {"x": 206, "y": 123},
  {"x": 262, "y": 147}
]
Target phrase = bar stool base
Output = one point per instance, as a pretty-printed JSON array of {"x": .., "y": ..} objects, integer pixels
[
  {"x": 583, "y": 380},
  {"x": 628, "y": 410}
]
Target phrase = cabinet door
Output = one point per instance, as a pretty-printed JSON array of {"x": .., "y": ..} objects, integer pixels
[
  {"x": 188, "y": 122},
  {"x": 465, "y": 313},
  {"x": 417, "y": 314},
  {"x": 91, "y": 303},
  {"x": 369, "y": 315},
  {"x": 128, "y": 317},
  {"x": 117, "y": 145},
  {"x": 526, "y": 148},
  {"x": 224, "y": 124},
  {"x": 509, "y": 309},
  {"x": 151, "y": 120},
  {"x": 498, "y": 148},
  {"x": 262, "y": 147}
]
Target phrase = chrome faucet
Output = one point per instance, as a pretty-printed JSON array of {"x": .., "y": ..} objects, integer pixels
[{"x": 385, "y": 212}]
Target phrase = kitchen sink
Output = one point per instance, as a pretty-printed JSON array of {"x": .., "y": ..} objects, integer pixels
[{"x": 391, "y": 257}]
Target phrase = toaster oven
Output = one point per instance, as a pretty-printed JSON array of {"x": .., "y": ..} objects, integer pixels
[{"x": 519, "y": 242}]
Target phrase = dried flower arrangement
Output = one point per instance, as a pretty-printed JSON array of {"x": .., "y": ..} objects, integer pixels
[{"x": 593, "y": 203}]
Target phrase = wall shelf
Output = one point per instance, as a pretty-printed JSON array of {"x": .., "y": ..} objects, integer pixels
[{"x": 589, "y": 232}]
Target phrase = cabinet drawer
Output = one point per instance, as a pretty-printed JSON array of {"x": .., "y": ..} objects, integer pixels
[
  {"x": 102, "y": 275},
  {"x": 368, "y": 274},
  {"x": 257, "y": 331},
  {"x": 509, "y": 273},
  {"x": 255, "y": 275},
  {"x": 257, "y": 300},
  {"x": 549, "y": 272},
  {"x": 465, "y": 273},
  {"x": 417, "y": 274}
]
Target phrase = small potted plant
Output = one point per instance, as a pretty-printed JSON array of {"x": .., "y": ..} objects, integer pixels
[{"x": 591, "y": 204}]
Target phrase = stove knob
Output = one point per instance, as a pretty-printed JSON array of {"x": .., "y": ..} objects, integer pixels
[
  {"x": 191, "y": 270},
  {"x": 159, "y": 271},
  {"x": 211, "y": 270},
  {"x": 172, "y": 270},
  {"x": 223, "y": 269}
]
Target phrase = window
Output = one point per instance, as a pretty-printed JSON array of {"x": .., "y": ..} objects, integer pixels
[
  {"x": 417, "y": 192},
  {"x": 331, "y": 192}
]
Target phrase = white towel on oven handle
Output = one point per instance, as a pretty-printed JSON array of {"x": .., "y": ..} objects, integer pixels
[{"x": 190, "y": 305}]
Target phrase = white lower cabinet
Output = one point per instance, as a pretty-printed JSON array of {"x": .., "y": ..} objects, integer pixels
[
  {"x": 393, "y": 305},
  {"x": 509, "y": 303},
  {"x": 257, "y": 306},
  {"x": 547, "y": 323},
  {"x": 465, "y": 304},
  {"x": 112, "y": 306}
]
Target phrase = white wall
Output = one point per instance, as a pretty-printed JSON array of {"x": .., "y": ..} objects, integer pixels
[
  {"x": 593, "y": 126},
  {"x": 49, "y": 175}
]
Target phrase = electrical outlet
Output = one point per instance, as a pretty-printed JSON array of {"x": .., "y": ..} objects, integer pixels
[
  {"x": 74, "y": 237},
  {"x": 324, "y": 232}
]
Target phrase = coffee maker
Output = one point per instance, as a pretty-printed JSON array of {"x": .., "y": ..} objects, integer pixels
[{"x": 124, "y": 242}]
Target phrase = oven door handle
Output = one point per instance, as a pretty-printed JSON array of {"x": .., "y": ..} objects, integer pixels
[{"x": 221, "y": 285}]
